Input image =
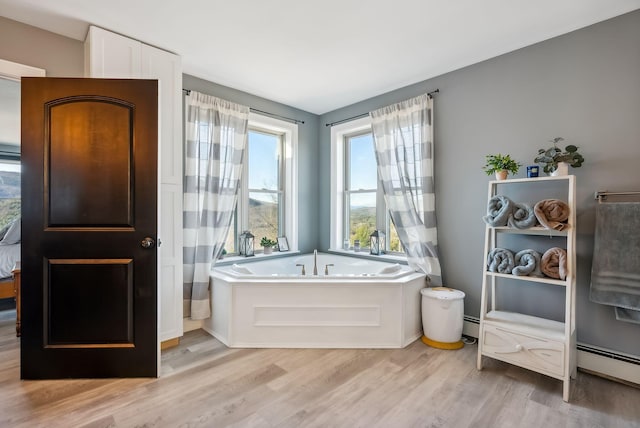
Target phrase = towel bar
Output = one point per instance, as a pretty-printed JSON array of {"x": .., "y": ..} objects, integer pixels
[{"x": 601, "y": 196}]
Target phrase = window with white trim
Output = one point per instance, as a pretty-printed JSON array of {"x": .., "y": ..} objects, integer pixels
[
  {"x": 267, "y": 195},
  {"x": 358, "y": 206}
]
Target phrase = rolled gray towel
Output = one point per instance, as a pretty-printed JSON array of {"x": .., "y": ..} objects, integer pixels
[
  {"x": 527, "y": 263},
  {"x": 500, "y": 260},
  {"x": 522, "y": 217},
  {"x": 498, "y": 211},
  {"x": 554, "y": 263},
  {"x": 552, "y": 213}
]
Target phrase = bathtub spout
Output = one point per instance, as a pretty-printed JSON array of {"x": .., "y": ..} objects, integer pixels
[{"x": 315, "y": 262}]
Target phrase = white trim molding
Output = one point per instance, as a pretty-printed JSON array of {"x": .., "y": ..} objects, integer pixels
[
  {"x": 289, "y": 132},
  {"x": 338, "y": 133},
  {"x": 14, "y": 71}
]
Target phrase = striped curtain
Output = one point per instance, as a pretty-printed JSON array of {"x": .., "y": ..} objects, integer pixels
[
  {"x": 216, "y": 137},
  {"x": 403, "y": 139}
]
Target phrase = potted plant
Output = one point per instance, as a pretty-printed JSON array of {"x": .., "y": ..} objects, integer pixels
[
  {"x": 556, "y": 161},
  {"x": 267, "y": 244},
  {"x": 501, "y": 165}
]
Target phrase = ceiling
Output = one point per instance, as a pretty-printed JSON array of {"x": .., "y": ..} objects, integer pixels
[{"x": 322, "y": 55}]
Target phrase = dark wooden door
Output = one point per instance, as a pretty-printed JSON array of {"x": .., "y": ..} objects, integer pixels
[{"x": 89, "y": 222}]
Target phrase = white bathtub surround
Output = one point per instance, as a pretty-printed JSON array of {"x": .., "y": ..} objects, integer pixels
[{"x": 360, "y": 304}]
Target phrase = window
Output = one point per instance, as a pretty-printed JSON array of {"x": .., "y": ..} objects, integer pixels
[
  {"x": 358, "y": 206},
  {"x": 361, "y": 188},
  {"x": 265, "y": 188},
  {"x": 9, "y": 192},
  {"x": 266, "y": 199}
]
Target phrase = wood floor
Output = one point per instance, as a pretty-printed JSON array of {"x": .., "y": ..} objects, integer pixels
[{"x": 205, "y": 384}]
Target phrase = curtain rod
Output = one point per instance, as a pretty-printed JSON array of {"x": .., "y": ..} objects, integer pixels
[
  {"x": 255, "y": 110},
  {"x": 360, "y": 116}
]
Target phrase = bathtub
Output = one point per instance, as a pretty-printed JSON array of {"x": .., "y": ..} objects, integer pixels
[{"x": 359, "y": 304}]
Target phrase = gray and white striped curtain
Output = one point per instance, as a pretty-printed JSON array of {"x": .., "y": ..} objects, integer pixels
[
  {"x": 216, "y": 138},
  {"x": 403, "y": 139}
]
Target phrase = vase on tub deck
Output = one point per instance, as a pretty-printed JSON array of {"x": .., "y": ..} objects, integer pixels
[
  {"x": 561, "y": 169},
  {"x": 268, "y": 250}
]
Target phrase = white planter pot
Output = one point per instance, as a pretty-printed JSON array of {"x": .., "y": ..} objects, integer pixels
[
  {"x": 502, "y": 175},
  {"x": 268, "y": 250},
  {"x": 562, "y": 169}
]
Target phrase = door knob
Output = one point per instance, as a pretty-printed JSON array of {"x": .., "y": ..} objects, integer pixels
[{"x": 147, "y": 242}]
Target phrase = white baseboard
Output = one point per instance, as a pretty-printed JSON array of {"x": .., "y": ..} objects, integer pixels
[
  {"x": 606, "y": 362},
  {"x": 188, "y": 324},
  {"x": 609, "y": 363},
  {"x": 471, "y": 326}
]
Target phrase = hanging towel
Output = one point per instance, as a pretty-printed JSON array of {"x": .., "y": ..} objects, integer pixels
[
  {"x": 527, "y": 263},
  {"x": 615, "y": 271},
  {"x": 552, "y": 213},
  {"x": 498, "y": 211},
  {"x": 522, "y": 217},
  {"x": 500, "y": 260},
  {"x": 627, "y": 315},
  {"x": 554, "y": 263}
]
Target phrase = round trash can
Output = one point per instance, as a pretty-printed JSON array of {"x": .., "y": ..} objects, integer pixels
[{"x": 442, "y": 317}]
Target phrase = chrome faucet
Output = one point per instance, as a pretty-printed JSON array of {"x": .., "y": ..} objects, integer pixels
[
  {"x": 326, "y": 268},
  {"x": 303, "y": 272},
  {"x": 315, "y": 262}
]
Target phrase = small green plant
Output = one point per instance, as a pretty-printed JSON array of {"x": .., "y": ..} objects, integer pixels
[
  {"x": 266, "y": 242},
  {"x": 496, "y": 163},
  {"x": 552, "y": 156}
]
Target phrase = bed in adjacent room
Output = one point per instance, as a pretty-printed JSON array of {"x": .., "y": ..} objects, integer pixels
[{"x": 9, "y": 255}]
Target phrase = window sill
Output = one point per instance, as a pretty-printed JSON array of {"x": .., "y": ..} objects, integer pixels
[
  {"x": 366, "y": 255},
  {"x": 258, "y": 257}
]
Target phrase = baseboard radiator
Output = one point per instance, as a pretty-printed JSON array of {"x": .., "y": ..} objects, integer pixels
[{"x": 594, "y": 359}]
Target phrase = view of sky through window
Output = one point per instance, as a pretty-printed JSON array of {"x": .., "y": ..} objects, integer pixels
[{"x": 263, "y": 160}]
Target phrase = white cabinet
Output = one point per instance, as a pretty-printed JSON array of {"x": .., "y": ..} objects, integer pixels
[
  {"x": 109, "y": 55},
  {"x": 544, "y": 345}
]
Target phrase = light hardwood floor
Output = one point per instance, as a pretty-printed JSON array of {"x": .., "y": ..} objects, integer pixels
[{"x": 205, "y": 384}]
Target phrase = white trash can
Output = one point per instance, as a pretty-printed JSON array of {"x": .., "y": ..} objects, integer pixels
[{"x": 442, "y": 317}]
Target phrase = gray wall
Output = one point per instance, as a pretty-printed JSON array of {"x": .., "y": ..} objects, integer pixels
[
  {"x": 308, "y": 201},
  {"x": 60, "y": 56},
  {"x": 583, "y": 86}
]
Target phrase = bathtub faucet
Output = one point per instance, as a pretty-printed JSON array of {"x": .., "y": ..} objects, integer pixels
[
  {"x": 303, "y": 272},
  {"x": 326, "y": 268},
  {"x": 315, "y": 262}
]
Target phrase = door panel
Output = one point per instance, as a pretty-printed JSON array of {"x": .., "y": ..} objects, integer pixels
[
  {"x": 90, "y": 303},
  {"x": 89, "y": 191},
  {"x": 95, "y": 135}
]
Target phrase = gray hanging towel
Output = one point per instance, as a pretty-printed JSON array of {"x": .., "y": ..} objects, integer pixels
[{"x": 615, "y": 271}]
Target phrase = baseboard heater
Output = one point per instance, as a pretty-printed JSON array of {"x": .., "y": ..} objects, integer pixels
[{"x": 600, "y": 361}]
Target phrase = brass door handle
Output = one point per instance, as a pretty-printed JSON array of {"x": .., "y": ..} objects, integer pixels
[{"x": 147, "y": 242}]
